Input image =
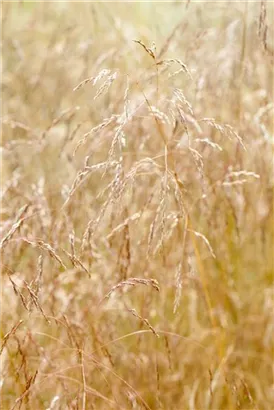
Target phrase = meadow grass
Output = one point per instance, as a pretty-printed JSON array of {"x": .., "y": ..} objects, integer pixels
[{"x": 137, "y": 206}]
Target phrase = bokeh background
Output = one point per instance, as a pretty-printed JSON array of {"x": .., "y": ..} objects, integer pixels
[{"x": 137, "y": 205}]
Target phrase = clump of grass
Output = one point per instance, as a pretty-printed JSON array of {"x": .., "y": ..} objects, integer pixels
[{"x": 137, "y": 155}]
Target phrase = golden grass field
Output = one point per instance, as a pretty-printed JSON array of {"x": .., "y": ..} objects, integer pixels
[{"x": 137, "y": 206}]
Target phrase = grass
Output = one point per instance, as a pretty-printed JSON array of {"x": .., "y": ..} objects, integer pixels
[{"x": 137, "y": 206}]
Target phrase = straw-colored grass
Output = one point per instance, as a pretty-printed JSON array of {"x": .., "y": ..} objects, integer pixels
[{"x": 137, "y": 206}]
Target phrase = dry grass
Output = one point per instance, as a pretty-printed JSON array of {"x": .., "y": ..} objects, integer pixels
[{"x": 137, "y": 206}]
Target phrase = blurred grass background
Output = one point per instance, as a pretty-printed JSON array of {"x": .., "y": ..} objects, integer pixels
[{"x": 159, "y": 169}]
